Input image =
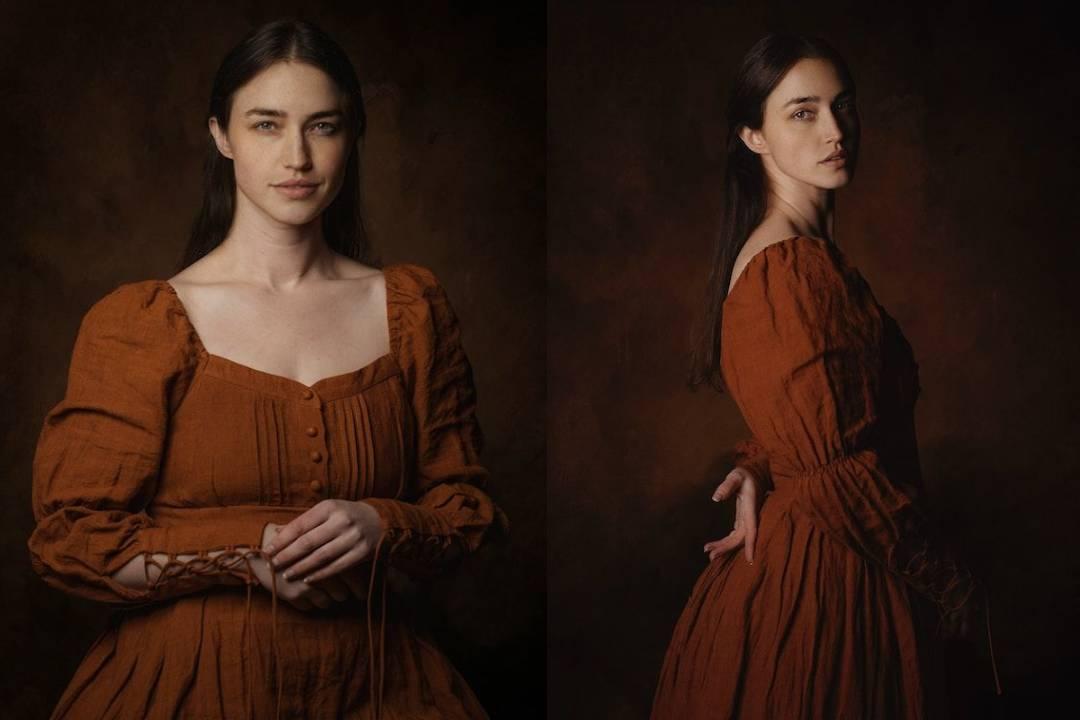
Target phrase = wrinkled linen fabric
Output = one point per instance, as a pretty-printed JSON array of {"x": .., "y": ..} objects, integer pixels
[
  {"x": 839, "y": 615},
  {"x": 161, "y": 447}
]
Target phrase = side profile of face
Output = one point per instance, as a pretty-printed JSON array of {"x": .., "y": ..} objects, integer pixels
[
  {"x": 808, "y": 116},
  {"x": 286, "y": 124}
]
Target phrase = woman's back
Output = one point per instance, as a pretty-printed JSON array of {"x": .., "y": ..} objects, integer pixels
[{"x": 825, "y": 623}]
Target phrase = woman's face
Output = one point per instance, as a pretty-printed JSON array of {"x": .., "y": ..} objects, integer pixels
[
  {"x": 809, "y": 115},
  {"x": 286, "y": 124}
]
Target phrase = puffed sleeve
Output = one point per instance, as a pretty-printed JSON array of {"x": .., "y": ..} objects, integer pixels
[
  {"x": 451, "y": 513},
  {"x": 810, "y": 368},
  {"x": 751, "y": 454},
  {"x": 98, "y": 454}
]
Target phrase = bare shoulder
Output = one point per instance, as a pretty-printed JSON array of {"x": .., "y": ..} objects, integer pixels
[
  {"x": 200, "y": 272},
  {"x": 763, "y": 235},
  {"x": 369, "y": 282},
  {"x": 352, "y": 269}
]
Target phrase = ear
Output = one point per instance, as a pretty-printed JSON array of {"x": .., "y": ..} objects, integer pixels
[
  {"x": 220, "y": 138},
  {"x": 754, "y": 140}
]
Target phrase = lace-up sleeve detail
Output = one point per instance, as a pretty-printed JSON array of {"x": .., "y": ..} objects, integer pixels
[
  {"x": 98, "y": 454},
  {"x": 450, "y": 514}
]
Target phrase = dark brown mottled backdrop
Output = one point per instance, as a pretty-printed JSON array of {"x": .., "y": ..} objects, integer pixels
[
  {"x": 963, "y": 218},
  {"x": 103, "y": 132}
]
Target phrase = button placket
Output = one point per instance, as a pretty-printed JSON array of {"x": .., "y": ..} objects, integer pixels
[{"x": 313, "y": 427}]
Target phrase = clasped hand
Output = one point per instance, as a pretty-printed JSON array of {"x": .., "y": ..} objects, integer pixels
[
  {"x": 318, "y": 557},
  {"x": 741, "y": 483}
]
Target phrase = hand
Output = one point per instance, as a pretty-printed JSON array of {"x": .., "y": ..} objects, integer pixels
[
  {"x": 742, "y": 483},
  {"x": 327, "y": 540},
  {"x": 301, "y": 595}
]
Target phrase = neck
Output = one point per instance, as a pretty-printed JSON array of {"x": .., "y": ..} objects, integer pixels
[
  {"x": 809, "y": 211},
  {"x": 260, "y": 250}
]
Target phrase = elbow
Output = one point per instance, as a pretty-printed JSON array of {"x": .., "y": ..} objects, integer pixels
[{"x": 71, "y": 576}]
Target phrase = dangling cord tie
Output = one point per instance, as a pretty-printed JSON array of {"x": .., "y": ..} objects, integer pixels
[
  {"x": 251, "y": 652},
  {"x": 273, "y": 628},
  {"x": 382, "y": 641},
  {"x": 203, "y": 564},
  {"x": 990, "y": 639},
  {"x": 374, "y": 698}
]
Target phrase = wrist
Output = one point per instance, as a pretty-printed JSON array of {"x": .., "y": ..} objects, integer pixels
[{"x": 372, "y": 521}]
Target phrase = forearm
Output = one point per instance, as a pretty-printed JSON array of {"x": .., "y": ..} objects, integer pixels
[
  {"x": 179, "y": 574},
  {"x": 853, "y": 500},
  {"x": 431, "y": 535}
]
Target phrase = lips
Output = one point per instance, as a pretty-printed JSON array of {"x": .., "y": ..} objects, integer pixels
[
  {"x": 835, "y": 155},
  {"x": 297, "y": 183}
]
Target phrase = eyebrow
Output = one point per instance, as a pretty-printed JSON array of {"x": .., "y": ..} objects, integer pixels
[
  {"x": 815, "y": 98},
  {"x": 281, "y": 113}
]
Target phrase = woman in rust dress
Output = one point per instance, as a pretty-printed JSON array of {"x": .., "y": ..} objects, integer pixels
[
  {"x": 192, "y": 447},
  {"x": 827, "y": 616}
]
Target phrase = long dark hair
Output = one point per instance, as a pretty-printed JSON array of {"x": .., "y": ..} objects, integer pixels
[
  {"x": 283, "y": 39},
  {"x": 745, "y": 187}
]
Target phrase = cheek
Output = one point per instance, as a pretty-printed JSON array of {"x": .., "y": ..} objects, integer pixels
[
  {"x": 331, "y": 157},
  {"x": 249, "y": 166},
  {"x": 332, "y": 160},
  {"x": 791, "y": 155}
]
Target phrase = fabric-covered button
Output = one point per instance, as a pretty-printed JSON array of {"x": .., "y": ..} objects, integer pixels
[
  {"x": 316, "y": 455},
  {"x": 308, "y": 394},
  {"x": 316, "y": 486},
  {"x": 312, "y": 431}
]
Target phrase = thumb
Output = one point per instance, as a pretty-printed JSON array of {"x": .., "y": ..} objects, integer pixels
[{"x": 731, "y": 483}]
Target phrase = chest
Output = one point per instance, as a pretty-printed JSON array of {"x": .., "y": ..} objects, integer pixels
[
  {"x": 245, "y": 437},
  {"x": 323, "y": 332}
]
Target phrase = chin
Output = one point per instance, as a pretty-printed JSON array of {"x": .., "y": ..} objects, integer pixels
[
  {"x": 842, "y": 181},
  {"x": 837, "y": 180},
  {"x": 294, "y": 215}
]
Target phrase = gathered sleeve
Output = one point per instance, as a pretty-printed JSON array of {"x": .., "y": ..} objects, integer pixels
[
  {"x": 751, "y": 454},
  {"x": 98, "y": 455},
  {"x": 450, "y": 513},
  {"x": 810, "y": 369}
]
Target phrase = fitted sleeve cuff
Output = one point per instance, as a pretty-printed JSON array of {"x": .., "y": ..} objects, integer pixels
[{"x": 195, "y": 536}]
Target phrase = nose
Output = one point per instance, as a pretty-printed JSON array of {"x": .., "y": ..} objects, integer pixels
[
  {"x": 834, "y": 133},
  {"x": 297, "y": 155},
  {"x": 838, "y": 127}
]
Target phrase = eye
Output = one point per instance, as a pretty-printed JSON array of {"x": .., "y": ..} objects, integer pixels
[
  {"x": 796, "y": 114},
  {"x": 329, "y": 128},
  {"x": 264, "y": 122}
]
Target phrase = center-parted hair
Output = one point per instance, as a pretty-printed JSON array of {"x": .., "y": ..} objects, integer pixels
[{"x": 293, "y": 40}]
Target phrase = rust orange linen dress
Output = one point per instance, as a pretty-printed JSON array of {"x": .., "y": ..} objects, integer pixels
[
  {"x": 824, "y": 623},
  {"x": 161, "y": 447}
]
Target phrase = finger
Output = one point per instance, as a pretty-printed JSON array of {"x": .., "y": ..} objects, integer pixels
[
  {"x": 751, "y": 535},
  {"x": 731, "y": 483},
  {"x": 299, "y": 526},
  {"x": 718, "y": 553},
  {"x": 338, "y": 565},
  {"x": 317, "y": 597},
  {"x": 719, "y": 547},
  {"x": 321, "y": 556},
  {"x": 749, "y": 524},
  {"x": 304, "y": 546}
]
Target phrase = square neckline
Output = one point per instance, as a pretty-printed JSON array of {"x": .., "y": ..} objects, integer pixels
[{"x": 278, "y": 378}]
